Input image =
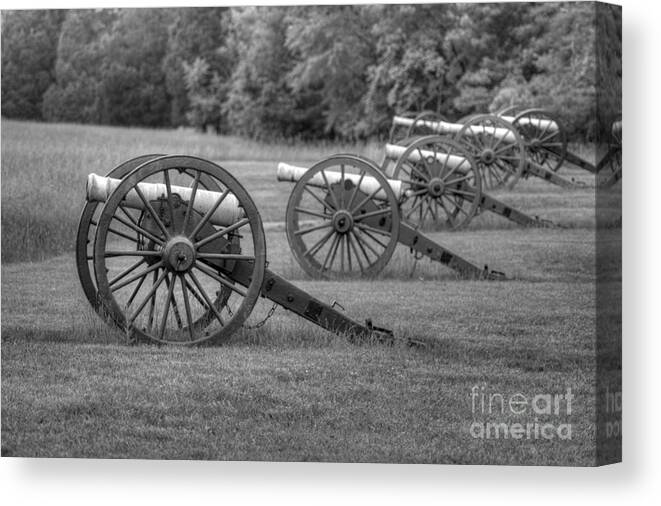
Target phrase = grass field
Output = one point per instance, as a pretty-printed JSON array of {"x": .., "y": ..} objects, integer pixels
[{"x": 289, "y": 390}]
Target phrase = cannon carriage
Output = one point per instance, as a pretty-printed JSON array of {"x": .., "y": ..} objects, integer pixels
[
  {"x": 344, "y": 219},
  {"x": 171, "y": 250}
]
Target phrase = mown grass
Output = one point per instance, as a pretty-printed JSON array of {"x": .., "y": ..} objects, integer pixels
[
  {"x": 71, "y": 387},
  {"x": 291, "y": 391}
]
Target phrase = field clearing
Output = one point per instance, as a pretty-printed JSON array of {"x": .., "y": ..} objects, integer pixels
[{"x": 289, "y": 390}]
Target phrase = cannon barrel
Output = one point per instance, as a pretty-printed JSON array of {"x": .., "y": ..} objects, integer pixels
[
  {"x": 291, "y": 173},
  {"x": 446, "y": 128},
  {"x": 539, "y": 123},
  {"x": 395, "y": 151},
  {"x": 228, "y": 212}
]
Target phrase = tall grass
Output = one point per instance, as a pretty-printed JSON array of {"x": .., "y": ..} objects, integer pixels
[{"x": 44, "y": 168}]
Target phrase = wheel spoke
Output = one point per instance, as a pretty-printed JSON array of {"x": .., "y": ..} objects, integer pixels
[
  {"x": 330, "y": 250},
  {"x": 414, "y": 207},
  {"x": 378, "y": 212},
  {"x": 213, "y": 275},
  {"x": 328, "y": 188},
  {"x": 150, "y": 296},
  {"x": 122, "y": 234},
  {"x": 135, "y": 253},
  {"x": 345, "y": 240},
  {"x": 365, "y": 228},
  {"x": 166, "y": 311},
  {"x": 341, "y": 248},
  {"x": 318, "y": 198},
  {"x": 454, "y": 204},
  {"x": 365, "y": 200},
  {"x": 312, "y": 213},
  {"x": 126, "y": 272},
  {"x": 498, "y": 142},
  {"x": 342, "y": 184},
  {"x": 319, "y": 244},
  {"x": 208, "y": 215},
  {"x": 131, "y": 279},
  {"x": 225, "y": 256},
  {"x": 222, "y": 232},
  {"x": 364, "y": 242},
  {"x": 139, "y": 230},
  {"x": 175, "y": 308},
  {"x": 464, "y": 192},
  {"x": 189, "y": 207},
  {"x": 184, "y": 294},
  {"x": 433, "y": 213},
  {"x": 206, "y": 298},
  {"x": 424, "y": 177},
  {"x": 151, "y": 211},
  {"x": 458, "y": 180},
  {"x": 355, "y": 251},
  {"x": 355, "y": 190},
  {"x": 128, "y": 215},
  {"x": 135, "y": 291},
  {"x": 168, "y": 189},
  {"x": 312, "y": 229}
]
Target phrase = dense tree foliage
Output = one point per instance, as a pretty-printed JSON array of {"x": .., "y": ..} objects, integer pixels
[
  {"x": 311, "y": 71},
  {"x": 29, "y": 49}
]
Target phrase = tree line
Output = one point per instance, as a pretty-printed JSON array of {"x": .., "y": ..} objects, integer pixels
[{"x": 310, "y": 72}]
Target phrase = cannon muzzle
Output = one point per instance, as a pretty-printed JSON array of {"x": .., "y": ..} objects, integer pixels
[{"x": 228, "y": 212}]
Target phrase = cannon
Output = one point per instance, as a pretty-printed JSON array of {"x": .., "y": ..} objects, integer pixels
[
  {"x": 501, "y": 152},
  {"x": 426, "y": 165},
  {"x": 343, "y": 220},
  {"x": 546, "y": 142},
  {"x": 171, "y": 250}
]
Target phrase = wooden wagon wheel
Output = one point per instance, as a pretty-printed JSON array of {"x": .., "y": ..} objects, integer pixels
[
  {"x": 442, "y": 181},
  {"x": 544, "y": 136},
  {"x": 342, "y": 219},
  {"x": 87, "y": 230},
  {"x": 497, "y": 149},
  {"x": 160, "y": 284}
]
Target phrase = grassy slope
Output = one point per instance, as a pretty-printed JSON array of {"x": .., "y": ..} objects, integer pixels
[{"x": 290, "y": 391}]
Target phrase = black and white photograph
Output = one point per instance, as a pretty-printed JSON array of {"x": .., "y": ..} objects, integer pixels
[{"x": 355, "y": 233}]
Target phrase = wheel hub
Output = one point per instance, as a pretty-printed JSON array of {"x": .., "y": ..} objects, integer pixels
[
  {"x": 436, "y": 187},
  {"x": 487, "y": 156},
  {"x": 342, "y": 221},
  {"x": 179, "y": 254}
]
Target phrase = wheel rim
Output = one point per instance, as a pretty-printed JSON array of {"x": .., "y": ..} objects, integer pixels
[
  {"x": 166, "y": 285},
  {"x": 397, "y": 133},
  {"x": 337, "y": 230},
  {"x": 546, "y": 144},
  {"x": 510, "y": 110},
  {"x": 439, "y": 189},
  {"x": 500, "y": 158},
  {"x": 87, "y": 229},
  {"x": 418, "y": 128}
]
